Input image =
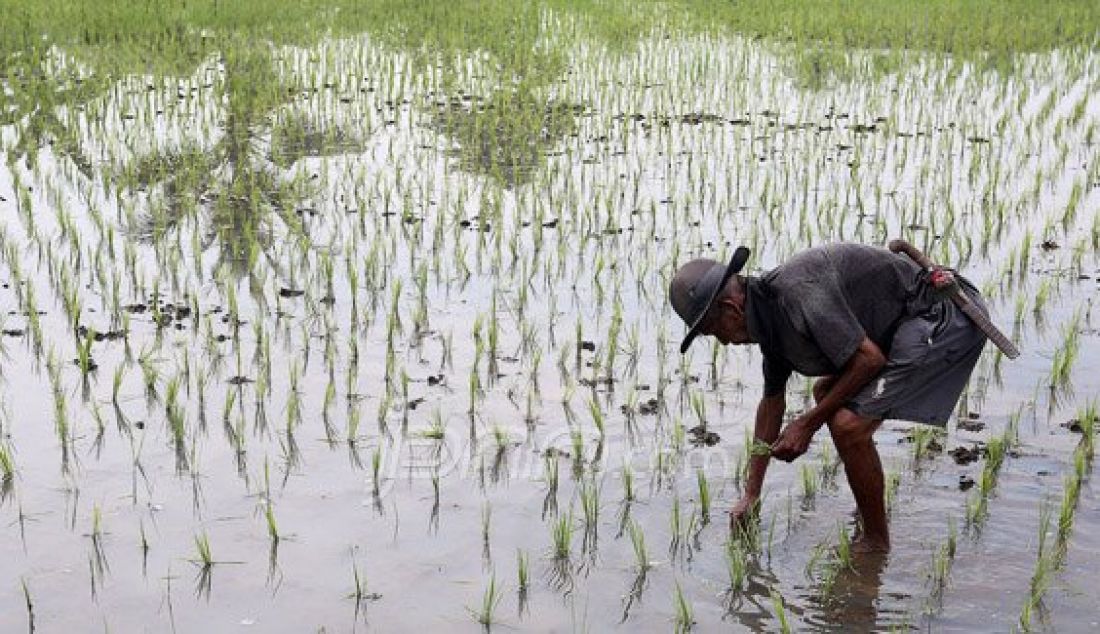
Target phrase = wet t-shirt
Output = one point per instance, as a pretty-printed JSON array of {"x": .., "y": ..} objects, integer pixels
[{"x": 818, "y": 306}]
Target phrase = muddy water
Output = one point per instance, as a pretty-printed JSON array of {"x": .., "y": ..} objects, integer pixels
[{"x": 672, "y": 149}]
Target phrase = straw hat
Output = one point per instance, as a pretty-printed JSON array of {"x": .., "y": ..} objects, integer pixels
[{"x": 695, "y": 287}]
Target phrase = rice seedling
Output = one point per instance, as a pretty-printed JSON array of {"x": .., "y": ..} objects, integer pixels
[
  {"x": 675, "y": 526},
  {"x": 780, "y": 610},
  {"x": 740, "y": 470},
  {"x": 116, "y": 383},
  {"x": 474, "y": 391},
  {"x": 704, "y": 495},
  {"x": 500, "y": 436},
  {"x": 1065, "y": 357},
  {"x": 550, "y": 470},
  {"x": 98, "y": 559},
  {"x": 376, "y": 470},
  {"x": 7, "y": 464},
  {"x": 759, "y": 448},
  {"x": 951, "y": 545},
  {"x": 736, "y": 564},
  {"x": 589, "y": 494},
  {"x": 699, "y": 407},
  {"x": 809, "y": 482},
  {"x": 638, "y": 543},
  {"x": 486, "y": 522},
  {"x": 748, "y": 535},
  {"x": 202, "y": 551},
  {"x": 890, "y": 491},
  {"x": 1086, "y": 419},
  {"x": 577, "y": 439},
  {"x": 28, "y": 602},
  {"x": 926, "y": 441},
  {"x": 823, "y": 567},
  {"x": 177, "y": 425},
  {"x": 61, "y": 421},
  {"x": 561, "y": 535},
  {"x": 437, "y": 429},
  {"x": 354, "y": 420},
  {"x": 144, "y": 542},
  {"x": 684, "y": 618},
  {"x": 677, "y": 437},
  {"x": 597, "y": 416},
  {"x": 293, "y": 407},
  {"x": 272, "y": 526},
  {"x": 485, "y": 614},
  {"x": 977, "y": 505},
  {"x": 829, "y": 467},
  {"x": 627, "y": 476},
  {"x": 150, "y": 373},
  {"x": 1045, "y": 565},
  {"x": 1071, "y": 491},
  {"x": 1041, "y": 298},
  {"x": 523, "y": 571},
  {"x": 828, "y": 561},
  {"x": 359, "y": 593},
  {"x": 844, "y": 547},
  {"x": 84, "y": 359},
  {"x": 941, "y": 563}
]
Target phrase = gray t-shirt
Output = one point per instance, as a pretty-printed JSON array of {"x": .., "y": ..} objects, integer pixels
[{"x": 819, "y": 305}]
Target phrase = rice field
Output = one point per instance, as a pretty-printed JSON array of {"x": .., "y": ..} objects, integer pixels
[{"x": 366, "y": 328}]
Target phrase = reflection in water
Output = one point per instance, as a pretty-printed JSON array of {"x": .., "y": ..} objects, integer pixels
[
  {"x": 226, "y": 183},
  {"x": 750, "y": 606},
  {"x": 35, "y": 87},
  {"x": 204, "y": 580},
  {"x": 559, "y": 575},
  {"x": 848, "y": 601},
  {"x": 508, "y": 135},
  {"x": 634, "y": 594},
  {"x": 297, "y": 136},
  {"x": 852, "y": 604},
  {"x": 235, "y": 186},
  {"x": 7, "y": 485}
]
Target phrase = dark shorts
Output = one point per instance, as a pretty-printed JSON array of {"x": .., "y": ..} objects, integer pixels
[{"x": 927, "y": 367}]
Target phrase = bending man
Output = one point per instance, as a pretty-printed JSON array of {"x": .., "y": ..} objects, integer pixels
[{"x": 864, "y": 320}]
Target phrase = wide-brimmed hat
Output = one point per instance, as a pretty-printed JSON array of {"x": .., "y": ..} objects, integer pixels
[{"x": 695, "y": 287}]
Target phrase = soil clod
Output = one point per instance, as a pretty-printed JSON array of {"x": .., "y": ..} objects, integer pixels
[
  {"x": 966, "y": 455},
  {"x": 701, "y": 436},
  {"x": 965, "y": 482}
]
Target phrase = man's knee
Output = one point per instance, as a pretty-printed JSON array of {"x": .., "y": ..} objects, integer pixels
[
  {"x": 822, "y": 387},
  {"x": 851, "y": 430}
]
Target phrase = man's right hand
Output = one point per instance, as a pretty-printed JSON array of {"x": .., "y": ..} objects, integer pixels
[{"x": 747, "y": 509}]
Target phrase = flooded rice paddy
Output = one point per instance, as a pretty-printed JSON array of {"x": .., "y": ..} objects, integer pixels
[{"x": 387, "y": 346}]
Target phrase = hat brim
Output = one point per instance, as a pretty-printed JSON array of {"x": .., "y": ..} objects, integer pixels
[{"x": 736, "y": 263}]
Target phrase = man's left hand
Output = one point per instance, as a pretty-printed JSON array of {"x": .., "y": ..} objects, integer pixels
[{"x": 794, "y": 440}]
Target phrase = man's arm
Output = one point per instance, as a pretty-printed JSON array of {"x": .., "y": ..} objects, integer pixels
[
  {"x": 864, "y": 365},
  {"x": 769, "y": 418}
]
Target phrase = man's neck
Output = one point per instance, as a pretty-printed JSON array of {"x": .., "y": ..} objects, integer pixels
[{"x": 758, "y": 311}]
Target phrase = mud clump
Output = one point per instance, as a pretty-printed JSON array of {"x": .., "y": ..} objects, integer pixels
[
  {"x": 965, "y": 455},
  {"x": 965, "y": 482},
  {"x": 971, "y": 423},
  {"x": 701, "y": 436}
]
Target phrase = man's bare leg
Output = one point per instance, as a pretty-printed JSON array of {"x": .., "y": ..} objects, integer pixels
[
  {"x": 853, "y": 438},
  {"x": 822, "y": 387}
]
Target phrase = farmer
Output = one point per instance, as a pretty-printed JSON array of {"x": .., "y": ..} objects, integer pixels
[{"x": 884, "y": 342}]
